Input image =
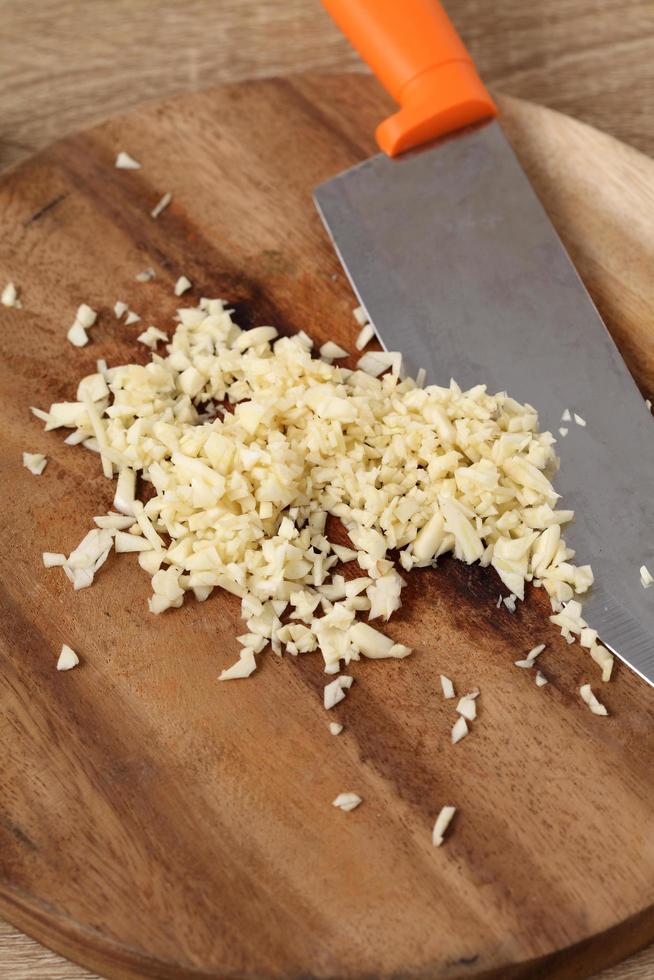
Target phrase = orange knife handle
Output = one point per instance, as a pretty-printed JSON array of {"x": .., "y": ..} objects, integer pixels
[{"x": 417, "y": 55}]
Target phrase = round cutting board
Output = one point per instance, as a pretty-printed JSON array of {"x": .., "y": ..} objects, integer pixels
[{"x": 156, "y": 823}]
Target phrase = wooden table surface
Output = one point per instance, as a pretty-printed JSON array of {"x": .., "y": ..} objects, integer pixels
[{"x": 65, "y": 64}]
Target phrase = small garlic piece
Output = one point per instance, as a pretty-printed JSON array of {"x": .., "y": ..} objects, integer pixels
[
  {"x": 459, "y": 730},
  {"x": 442, "y": 823},
  {"x": 182, "y": 285},
  {"x": 161, "y": 205},
  {"x": 447, "y": 686},
  {"x": 126, "y": 162},
  {"x": 591, "y": 700},
  {"x": 67, "y": 658},
  {"x": 347, "y": 801},
  {"x": 9, "y": 296},
  {"x": 35, "y": 462}
]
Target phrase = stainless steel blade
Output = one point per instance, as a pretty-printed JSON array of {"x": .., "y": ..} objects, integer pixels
[{"x": 458, "y": 266}]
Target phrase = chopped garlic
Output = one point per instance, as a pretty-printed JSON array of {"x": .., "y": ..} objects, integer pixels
[
  {"x": 86, "y": 316},
  {"x": 459, "y": 730},
  {"x": 124, "y": 542},
  {"x": 249, "y": 442},
  {"x": 115, "y": 522},
  {"x": 304, "y": 339},
  {"x": 364, "y": 336},
  {"x": 131, "y": 318},
  {"x": 588, "y": 637},
  {"x": 509, "y": 601},
  {"x": 126, "y": 162},
  {"x": 9, "y": 296},
  {"x": 374, "y": 645},
  {"x": 645, "y": 577},
  {"x": 595, "y": 706},
  {"x": 182, "y": 285},
  {"x": 151, "y": 337},
  {"x": 344, "y": 554},
  {"x": 244, "y": 666},
  {"x": 335, "y": 728},
  {"x": 541, "y": 680},
  {"x": 52, "y": 559},
  {"x": 447, "y": 686},
  {"x": 77, "y": 335},
  {"x": 442, "y": 823},
  {"x": 579, "y": 420},
  {"x": 563, "y": 431},
  {"x": 335, "y": 691},
  {"x": 125, "y": 491},
  {"x": 67, "y": 658},
  {"x": 146, "y": 275},
  {"x": 467, "y": 707},
  {"x": 120, "y": 309},
  {"x": 332, "y": 351},
  {"x": 603, "y": 658},
  {"x": 530, "y": 659},
  {"x": 360, "y": 316},
  {"x": 35, "y": 462},
  {"x": 375, "y": 362},
  {"x": 566, "y": 417},
  {"x": 347, "y": 801},
  {"x": 161, "y": 205}
]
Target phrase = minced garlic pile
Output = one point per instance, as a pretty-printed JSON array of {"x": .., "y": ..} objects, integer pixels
[{"x": 249, "y": 443}]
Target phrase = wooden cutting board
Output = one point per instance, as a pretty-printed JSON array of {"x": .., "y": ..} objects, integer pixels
[{"x": 155, "y": 823}]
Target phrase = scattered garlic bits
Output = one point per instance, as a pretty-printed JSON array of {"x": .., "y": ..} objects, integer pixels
[
  {"x": 365, "y": 335},
  {"x": 467, "y": 707},
  {"x": 151, "y": 337},
  {"x": 125, "y": 162},
  {"x": 84, "y": 318},
  {"x": 51, "y": 559},
  {"x": 572, "y": 624},
  {"x": 595, "y": 706},
  {"x": 335, "y": 728},
  {"x": 244, "y": 666},
  {"x": 530, "y": 659},
  {"x": 645, "y": 577},
  {"x": 443, "y": 821},
  {"x": 459, "y": 730},
  {"x": 161, "y": 205},
  {"x": 347, "y": 801},
  {"x": 182, "y": 285},
  {"x": 146, "y": 276},
  {"x": 67, "y": 658},
  {"x": 331, "y": 351},
  {"x": 447, "y": 687},
  {"x": 335, "y": 692},
  {"x": 239, "y": 497},
  {"x": 35, "y": 462},
  {"x": 9, "y": 297}
]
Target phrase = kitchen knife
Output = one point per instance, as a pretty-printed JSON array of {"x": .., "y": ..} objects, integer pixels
[{"x": 458, "y": 267}]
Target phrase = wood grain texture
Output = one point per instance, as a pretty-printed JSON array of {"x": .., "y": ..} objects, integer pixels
[
  {"x": 65, "y": 64},
  {"x": 157, "y": 824}
]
